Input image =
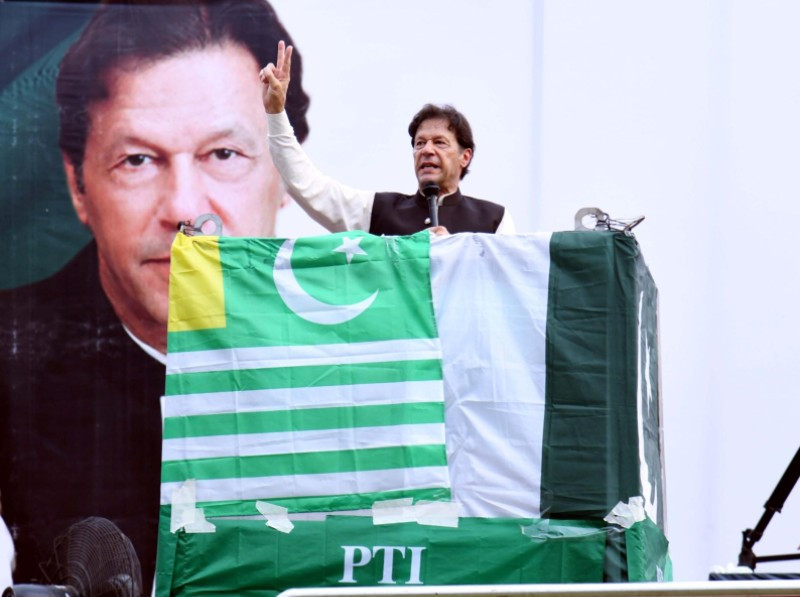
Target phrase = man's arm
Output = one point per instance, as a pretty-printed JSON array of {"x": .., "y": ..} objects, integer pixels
[{"x": 335, "y": 206}]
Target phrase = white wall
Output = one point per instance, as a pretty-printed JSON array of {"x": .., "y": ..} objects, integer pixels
[
  {"x": 689, "y": 112},
  {"x": 686, "y": 111}
]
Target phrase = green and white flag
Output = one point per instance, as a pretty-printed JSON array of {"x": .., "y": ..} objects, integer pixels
[
  {"x": 513, "y": 378},
  {"x": 304, "y": 373},
  {"x": 513, "y": 375}
]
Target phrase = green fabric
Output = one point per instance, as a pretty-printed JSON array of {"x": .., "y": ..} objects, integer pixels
[
  {"x": 305, "y": 463},
  {"x": 397, "y": 267},
  {"x": 303, "y": 376},
  {"x": 615, "y": 564},
  {"x": 590, "y": 458},
  {"x": 601, "y": 446},
  {"x": 245, "y": 557},
  {"x": 41, "y": 230},
  {"x": 647, "y": 555},
  {"x": 300, "y": 420},
  {"x": 323, "y": 503},
  {"x": 650, "y": 394},
  {"x": 379, "y": 447}
]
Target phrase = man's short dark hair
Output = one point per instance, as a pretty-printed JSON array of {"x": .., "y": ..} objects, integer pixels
[
  {"x": 456, "y": 122},
  {"x": 127, "y": 34}
]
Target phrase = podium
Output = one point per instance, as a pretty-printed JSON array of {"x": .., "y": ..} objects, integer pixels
[{"x": 355, "y": 411}]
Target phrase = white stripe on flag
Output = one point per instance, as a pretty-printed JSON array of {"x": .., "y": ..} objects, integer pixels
[
  {"x": 288, "y": 486},
  {"x": 296, "y": 442},
  {"x": 490, "y": 298},
  {"x": 264, "y": 357},
  {"x": 297, "y": 398}
]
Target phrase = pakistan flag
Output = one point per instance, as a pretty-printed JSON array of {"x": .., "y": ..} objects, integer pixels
[{"x": 511, "y": 380}]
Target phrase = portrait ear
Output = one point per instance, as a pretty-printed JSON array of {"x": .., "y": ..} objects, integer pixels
[
  {"x": 466, "y": 158},
  {"x": 76, "y": 194}
]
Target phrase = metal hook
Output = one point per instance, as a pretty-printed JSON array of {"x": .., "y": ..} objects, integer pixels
[
  {"x": 604, "y": 222},
  {"x": 197, "y": 229}
]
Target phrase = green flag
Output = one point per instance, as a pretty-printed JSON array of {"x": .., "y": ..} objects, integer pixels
[
  {"x": 304, "y": 373},
  {"x": 511, "y": 379}
]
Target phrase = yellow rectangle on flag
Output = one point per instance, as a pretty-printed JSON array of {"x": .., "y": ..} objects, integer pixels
[{"x": 196, "y": 293}]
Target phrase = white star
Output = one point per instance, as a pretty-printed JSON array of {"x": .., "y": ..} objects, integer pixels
[{"x": 350, "y": 247}]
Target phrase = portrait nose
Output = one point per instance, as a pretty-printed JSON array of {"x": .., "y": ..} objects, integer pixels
[
  {"x": 426, "y": 150},
  {"x": 185, "y": 193}
]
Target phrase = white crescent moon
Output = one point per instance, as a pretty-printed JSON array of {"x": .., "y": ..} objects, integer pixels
[{"x": 303, "y": 304}]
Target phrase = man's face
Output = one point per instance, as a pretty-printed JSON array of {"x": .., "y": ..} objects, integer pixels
[
  {"x": 176, "y": 138},
  {"x": 437, "y": 155}
]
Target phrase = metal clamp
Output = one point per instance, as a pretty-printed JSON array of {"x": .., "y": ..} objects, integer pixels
[
  {"x": 604, "y": 222},
  {"x": 196, "y": 229}
]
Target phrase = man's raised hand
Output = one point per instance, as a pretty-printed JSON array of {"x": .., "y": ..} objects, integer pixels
[{"x": 275, "y": 78}]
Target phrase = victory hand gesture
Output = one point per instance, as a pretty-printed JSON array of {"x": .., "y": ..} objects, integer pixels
[{"x": 275, "y": 78}]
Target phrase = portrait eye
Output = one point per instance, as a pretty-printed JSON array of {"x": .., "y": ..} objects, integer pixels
[
  {"x": 226, "y": 163},
  {"x": 137, "y": 159},
  {"x": 223, "y": 153}
]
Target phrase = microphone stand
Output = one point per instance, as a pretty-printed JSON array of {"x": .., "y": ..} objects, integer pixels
[{"x": 774, "y": 504}]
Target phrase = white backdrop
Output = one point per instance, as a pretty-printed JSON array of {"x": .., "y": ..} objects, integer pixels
[
  {"x": 686, "y": 111},
  {"x": 689, "y": 112}
]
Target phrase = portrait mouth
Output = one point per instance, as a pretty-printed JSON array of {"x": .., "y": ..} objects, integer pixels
[
  {"x": 157, "y": 260},
  {"x": 160, "y": 264},
  {"x": 428, "y": 167}
]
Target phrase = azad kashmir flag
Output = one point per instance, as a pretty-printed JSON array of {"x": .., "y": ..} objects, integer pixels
[{"x": 351, "y": 410}]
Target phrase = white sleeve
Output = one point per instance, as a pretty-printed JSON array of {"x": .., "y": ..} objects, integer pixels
[
  {"x": 6, "y": 555},
  {"x": 506, "y": 225},
  {"x": 335, "y": 206}
]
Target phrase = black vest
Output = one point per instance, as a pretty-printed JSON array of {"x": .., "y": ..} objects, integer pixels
[{"x": 395, "y": 213}]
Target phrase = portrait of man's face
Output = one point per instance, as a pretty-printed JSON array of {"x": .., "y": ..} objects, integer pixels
[
  {"x": 176, "y": 138},
  {"x": 438, "y": 157}
]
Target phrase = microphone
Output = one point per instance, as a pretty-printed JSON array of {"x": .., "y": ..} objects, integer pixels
[{"x": 431, "y": 192}]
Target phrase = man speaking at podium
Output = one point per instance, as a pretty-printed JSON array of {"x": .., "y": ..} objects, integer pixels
[{"x": 443, "y": 148}]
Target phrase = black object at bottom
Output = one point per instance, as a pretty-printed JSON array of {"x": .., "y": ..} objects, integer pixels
[
  {"x": 774, "y": 504},
  {"x": 754, "y": 576},
  {"x": 39, "y": 591},
  {"x": 92, "y": 559}
]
